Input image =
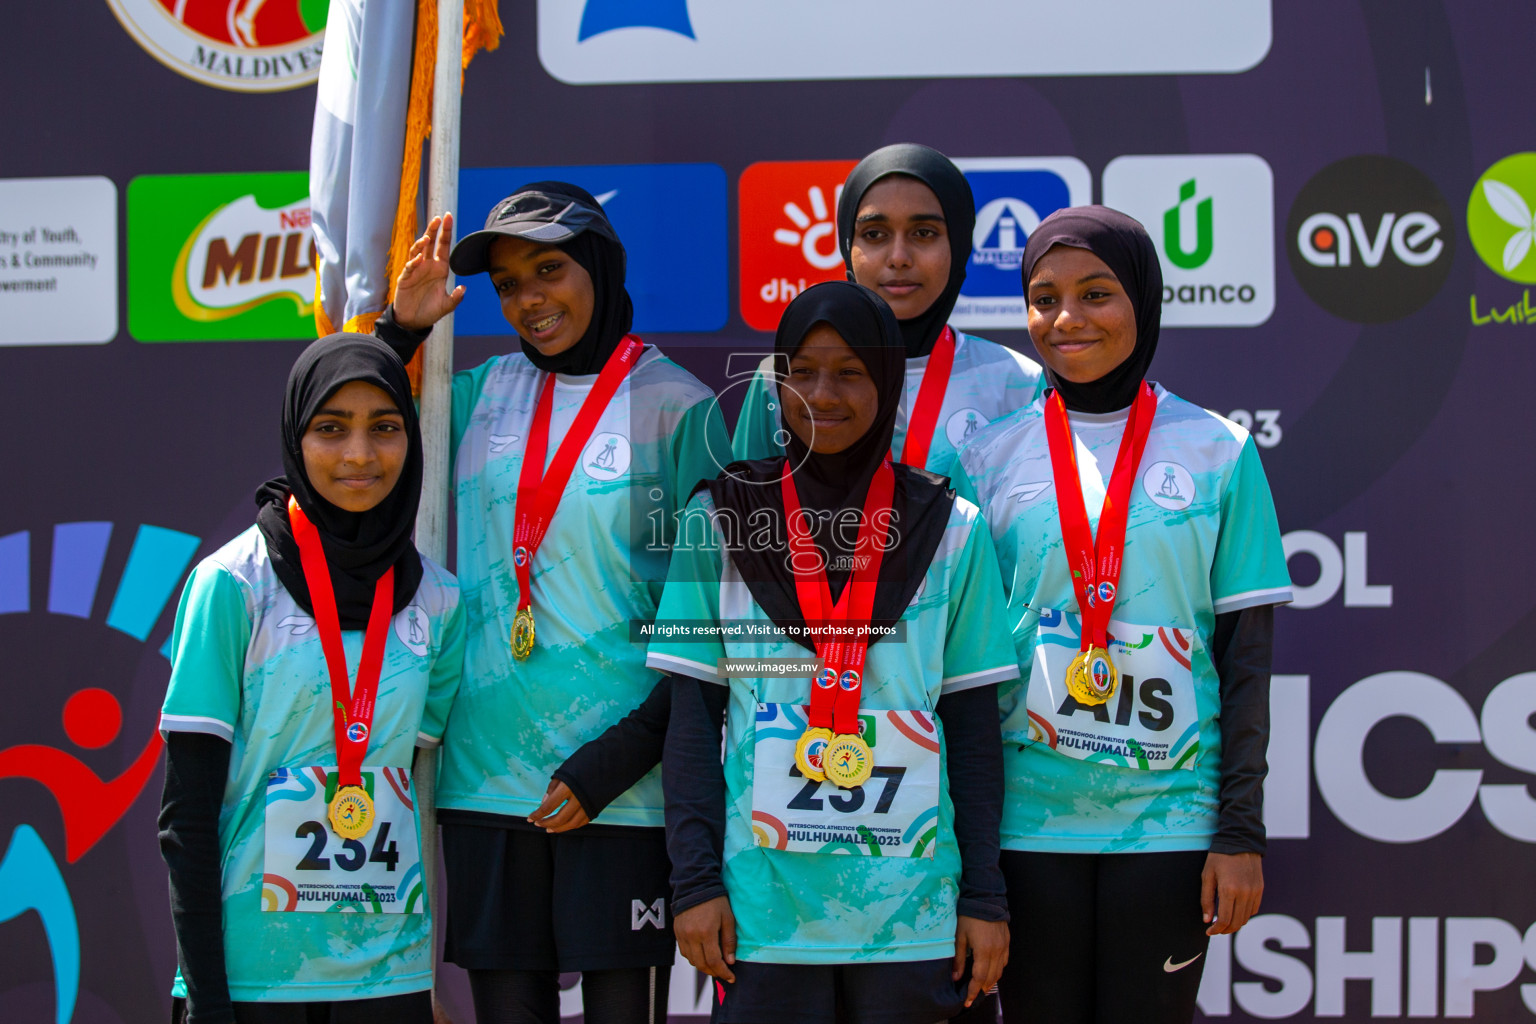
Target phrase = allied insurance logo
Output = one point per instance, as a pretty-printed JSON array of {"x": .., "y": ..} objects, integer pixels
[
  {"x": 215, "y": 257},
  {"x": 245, "y": 45},
  {"x": 1501, "y": 219},
  {"x": 1212, "y": 218},
  {"x": 788, "y": 233},
  {"x": 1013, "y": 195},
  {"x": 1369, "y": 239}
]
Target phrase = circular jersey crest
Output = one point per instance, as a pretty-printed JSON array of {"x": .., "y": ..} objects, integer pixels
[{"x": 242, "y": 45}]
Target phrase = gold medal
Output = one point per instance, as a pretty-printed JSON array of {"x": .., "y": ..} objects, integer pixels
[
  {"x": 848, "y": 761},
  {"x": 522, "y": 634},
  {"x": 351, "y": 812},
  {"x": 1092, "y": 677},
  {"x": 810, "y": 750}
]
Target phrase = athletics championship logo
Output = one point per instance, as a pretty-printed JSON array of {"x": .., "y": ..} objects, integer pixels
[{"x": 243, "y": 45}]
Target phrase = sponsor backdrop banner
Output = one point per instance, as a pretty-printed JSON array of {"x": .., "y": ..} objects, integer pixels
[{"x": 1342, "y": 195}]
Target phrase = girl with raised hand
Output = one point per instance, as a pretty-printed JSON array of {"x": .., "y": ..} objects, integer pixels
[
  {"x": 904, "y": 223},
  {"x": 1138, "y": 541},
  {"x": 311, "y": 655},
  {"x": 841, "y": 864},
  {"x": 571, "y": 457}
]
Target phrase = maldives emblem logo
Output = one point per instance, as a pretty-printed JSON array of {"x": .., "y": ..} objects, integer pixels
[{"x": 243, "y": 45}]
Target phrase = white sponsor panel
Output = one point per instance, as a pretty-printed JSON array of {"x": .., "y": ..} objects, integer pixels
[
  {"x": 58, "y": 261},
  {"x": 1212, "y": 218},
  {"x": 604, "y": 41}
]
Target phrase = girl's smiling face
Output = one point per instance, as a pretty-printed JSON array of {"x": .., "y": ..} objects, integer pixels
[
  {"x": 545, "y": 294},
  {"x": 1081, "y": 320}
]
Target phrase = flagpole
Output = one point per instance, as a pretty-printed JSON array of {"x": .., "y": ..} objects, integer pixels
[{"x": 436, "y": 377}]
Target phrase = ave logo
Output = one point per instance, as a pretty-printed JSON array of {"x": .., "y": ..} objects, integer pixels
[
  {"x": 1212, "y": 219},
  {"x": 1013, "y": 195},
  {"x": 788, "y": 230},
  {"x": 1368, "y": 239}
]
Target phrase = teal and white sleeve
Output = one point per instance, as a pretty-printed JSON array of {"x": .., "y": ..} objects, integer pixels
[
  {"x": 683, "y": 640},
  {"x": 978, "y": 646},
  {"x": 1249, "y": 567},
  {"x": 700, "y": 449},
  {"x": 758, "y": 422},
  {"x": 443, "y": 682},
  {"x": 467, "y": 385},
  {"x": 208, "y": 645}
]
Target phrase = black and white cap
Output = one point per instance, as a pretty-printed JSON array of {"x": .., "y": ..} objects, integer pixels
[{"x": 534, "y": 214}]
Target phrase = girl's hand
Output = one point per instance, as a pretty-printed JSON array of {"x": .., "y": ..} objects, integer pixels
[
  {"x": 987, "y": 941},
  {"x": 560, "y": 811},
  {"x": 706, "y": 936},
  {"x": 1231, "y": 887},
  {"x": 420, "y": 300}
]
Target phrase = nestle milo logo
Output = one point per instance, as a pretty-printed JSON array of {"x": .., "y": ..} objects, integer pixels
[
  {"x": 243, "y": 255},
  {"x": 220, "y": 256}
]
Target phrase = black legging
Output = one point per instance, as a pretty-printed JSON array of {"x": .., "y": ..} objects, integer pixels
[
  {"x": 412, "y": 1008},
  {"x": 630, "y": 995},
  {"x": 1103, "y": 938}
]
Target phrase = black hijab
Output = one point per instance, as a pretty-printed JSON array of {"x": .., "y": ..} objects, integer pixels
[
  {"x": 935, "y": 170},
  {"x": 831, "y": 483},
  {"x": 613, "y": 314},
  {"x": 359, "y": 546},
  {"x": 1124, "y": 246}
]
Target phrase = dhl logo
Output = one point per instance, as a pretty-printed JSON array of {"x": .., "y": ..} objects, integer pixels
[{"x": 243, "y": 255}]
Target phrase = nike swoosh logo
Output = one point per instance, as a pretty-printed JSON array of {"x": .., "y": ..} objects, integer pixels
[{"x": 1169, "y": 966}]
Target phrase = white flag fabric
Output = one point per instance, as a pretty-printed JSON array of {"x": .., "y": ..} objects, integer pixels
[{"x": 355, "y": 156}]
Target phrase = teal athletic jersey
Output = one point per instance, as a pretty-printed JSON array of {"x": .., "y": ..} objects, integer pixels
[
  {"x": 830, "y": 907},
  {"x": 1202, "y": 539},
  {"x": 247, "y": 666},
  {"x": 601, "y": 566},
  {"x": 988, "y": 381}
]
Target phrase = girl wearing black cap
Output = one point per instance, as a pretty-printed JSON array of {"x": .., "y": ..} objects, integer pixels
[
  {"x": 904, "y": 223},
  {"x": 841, "y": 864},
  {"x": 1135, "y": 741},
  {"x": 571, "y": 458},
  {"x": 311, "y": 655}
]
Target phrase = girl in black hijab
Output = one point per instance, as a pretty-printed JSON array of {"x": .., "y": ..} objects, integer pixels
[
  {"x": 256, "y": 699},
  {"x": 586, "y": 433},
  {"x": 1135, "y": 746},
  {"x": 905, "y": 224},
  {"x": 762, "y": 900}
]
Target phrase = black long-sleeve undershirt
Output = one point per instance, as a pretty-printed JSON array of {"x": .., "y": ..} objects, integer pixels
[
  {"x": 695, "y": 786},
  {"x": 601, "y": 770},
  {"x": 196, "y": 770},
  {"x": 402, "y": 339},
  {"x": 1242, "y": 647}
]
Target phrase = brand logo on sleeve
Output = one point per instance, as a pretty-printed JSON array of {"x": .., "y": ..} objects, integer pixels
[{"x": 244, "y": 45}]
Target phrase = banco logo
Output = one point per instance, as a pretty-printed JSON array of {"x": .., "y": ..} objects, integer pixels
[
  {"x": 1211, "y": 217},
  {"x": 245, "y": 45},
  {"x": 1013, "y": 195},
  {"x": 1501, "y": 219},
  {"x": 220, "y": 256},
  {"x": 1367, "y": 239},
  {"x": 788, "y": 227}
]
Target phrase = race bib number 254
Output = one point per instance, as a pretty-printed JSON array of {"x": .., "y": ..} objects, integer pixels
[{"x": 308, "y": 868}]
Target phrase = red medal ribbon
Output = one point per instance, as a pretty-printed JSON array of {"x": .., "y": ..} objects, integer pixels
[
  {"x": 539, "y": 490},
  {"x": 835, "y": 692},
  {"x": 1096, "y": 567},
  {"x": 930, "y": 399},
  {"x": 352, "y": 707}
]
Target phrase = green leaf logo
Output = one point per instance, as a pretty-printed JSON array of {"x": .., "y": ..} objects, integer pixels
[{"x": 1500, "y": 218}]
